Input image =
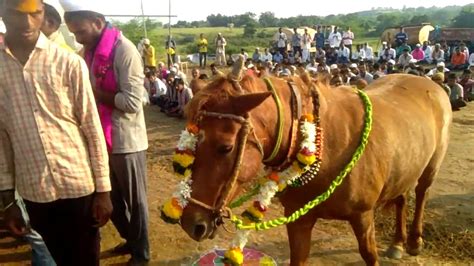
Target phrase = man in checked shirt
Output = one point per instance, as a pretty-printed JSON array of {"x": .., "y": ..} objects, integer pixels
[{"x": 52, "y": 148}]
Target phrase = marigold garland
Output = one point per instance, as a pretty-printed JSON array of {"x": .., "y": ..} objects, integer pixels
[
  {"x": 183, "y": 160},
  {"x": 274, "y": 182},
  {"x": 308, "y": 157}
]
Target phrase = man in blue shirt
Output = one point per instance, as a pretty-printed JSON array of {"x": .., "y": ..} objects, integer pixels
[
  {"x": 401, "y": 37},
  {"x": 319, "y": 37}
]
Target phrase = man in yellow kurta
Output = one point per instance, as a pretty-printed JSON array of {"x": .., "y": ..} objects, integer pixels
[
  {"x": 149, "y": 53},
  {"x": 202, "y": 46}
]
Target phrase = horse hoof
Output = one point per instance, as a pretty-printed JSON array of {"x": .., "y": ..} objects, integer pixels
[
  {"x": 415, "y": 247},
  {"x": 394, "y": 252}
]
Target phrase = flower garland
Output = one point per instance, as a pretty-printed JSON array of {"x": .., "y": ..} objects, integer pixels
[
  {"x": 183, "y": 160},
  {"x": 308, "y": 159},
  {"x": 302, "y": 170}
]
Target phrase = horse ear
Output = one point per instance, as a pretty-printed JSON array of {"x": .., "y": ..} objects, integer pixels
[{"x": 245, "y": 103}]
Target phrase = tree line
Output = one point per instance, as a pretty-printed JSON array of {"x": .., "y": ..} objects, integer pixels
[{"x": 369, "y": 23}]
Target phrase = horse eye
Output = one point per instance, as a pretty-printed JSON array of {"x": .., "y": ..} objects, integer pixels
[{"x": 224, "y": 149}]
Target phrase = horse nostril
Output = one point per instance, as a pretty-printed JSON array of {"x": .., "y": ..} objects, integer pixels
[{"x": 199, "y": 230}]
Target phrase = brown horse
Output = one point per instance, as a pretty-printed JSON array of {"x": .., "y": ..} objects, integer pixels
[{"x": 409, "y": 138}]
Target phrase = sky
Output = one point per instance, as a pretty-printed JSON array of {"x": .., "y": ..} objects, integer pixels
[{"x": 190, "y": 10}]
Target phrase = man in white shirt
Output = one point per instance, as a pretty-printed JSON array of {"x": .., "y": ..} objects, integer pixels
[
  {"x": 369, "y": 52},
  {"x": 343, "y": 54},
  {"x": 405, "y": 58},
  {"x": 335, "y": 38},
  {"x": 141, "y": 48},
  {"x": 471, "y": 60},
  {"x": 382, "y": 51},
  {"x": 428, "y": 51},
  {"x": 364, "y": 74},
  {"x": 281, "y": 41},
  {"x": 220, "y": 50},
  {"x": 266, "y": 56},
  {"x": 465, "y": 50},
  {"x": 440, "y": 68},
  {"x": 306, "y": 42},
  {"x": 347, "y": 38}
]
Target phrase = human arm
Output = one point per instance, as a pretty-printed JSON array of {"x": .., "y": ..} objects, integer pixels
[
  {"x": 471, "y": 59},
  {"x": 86, "y": 113},
  {"x": 13, "y": 218},
  {"x": 129, "y": 70}
]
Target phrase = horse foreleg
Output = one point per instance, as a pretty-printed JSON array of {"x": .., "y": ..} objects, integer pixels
[
  {"x": 299, "y": 235},
  {"x": 364, "y": 230},
  {"x": 396, "y": 249},
  {"x": 415, "y": 240}
]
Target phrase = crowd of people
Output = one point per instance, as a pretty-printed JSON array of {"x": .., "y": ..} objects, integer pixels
[{"x": 344, "y": 63}]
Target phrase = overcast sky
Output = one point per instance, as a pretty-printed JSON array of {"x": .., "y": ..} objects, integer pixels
[{"x": 191, "y": 10}]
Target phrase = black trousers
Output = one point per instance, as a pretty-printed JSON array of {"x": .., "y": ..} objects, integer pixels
[{"x": 66, "y": 226}]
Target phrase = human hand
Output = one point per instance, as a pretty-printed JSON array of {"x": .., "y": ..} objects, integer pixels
[
  {"x": 101, "y": 208},
  {"x": 14, "y": 221}
]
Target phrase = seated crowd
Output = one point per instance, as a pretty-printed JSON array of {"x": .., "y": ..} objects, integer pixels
[{"x": 344, "y": 63}]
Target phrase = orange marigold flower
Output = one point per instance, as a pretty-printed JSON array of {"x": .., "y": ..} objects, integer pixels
[
  {"x": 192, "y": 128},
  {"x": 274, "y": 177},
  {"x": 308, "y": 117},
  {"x": 175, "y": 203}
]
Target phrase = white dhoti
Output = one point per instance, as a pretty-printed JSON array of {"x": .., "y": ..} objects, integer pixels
[{"x": 305, "y": 55}]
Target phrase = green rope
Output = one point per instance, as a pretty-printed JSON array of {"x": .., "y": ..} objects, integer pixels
[
  {"x": 281, "y": 121},
  {"x": 247, "y": 196},
  {"x": 334, "y": 184}
]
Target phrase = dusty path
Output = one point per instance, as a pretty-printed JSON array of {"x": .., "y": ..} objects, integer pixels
[{"x": 449, "y": 216}]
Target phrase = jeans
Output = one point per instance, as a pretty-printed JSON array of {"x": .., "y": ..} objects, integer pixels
[
  {"x": 40, "y": 253},
  {"x": 203, "y": 59}
]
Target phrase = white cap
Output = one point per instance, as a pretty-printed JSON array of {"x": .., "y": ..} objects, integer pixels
[
  {"x": 84, "y": 5},
  {"x": 2, "y": 27},
  {"x": 285, "y": 72},
  {"x": 384, "y": 43},
  {"x": 174, "y": 70},
  {"x": 418, "y": 45},
  {"x": 391, "y": 61},
  {"x": 353, "y": 65},
  {"x": 146, "y": 41},
  {"x": 250, "y": 65},
  {"x": 440, "y": 64},
  {"x": 312, "y": 70},
  {"x": 333, "y": 66}
]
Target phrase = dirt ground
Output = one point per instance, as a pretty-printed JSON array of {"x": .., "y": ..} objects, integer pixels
[{"x": 449, "y": 217}]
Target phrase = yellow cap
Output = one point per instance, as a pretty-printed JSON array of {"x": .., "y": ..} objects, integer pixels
[{"x": 28, "y": 6}]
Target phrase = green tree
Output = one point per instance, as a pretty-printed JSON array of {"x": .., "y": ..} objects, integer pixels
[
  {"x": 465, "y": 19},
  {"x": 415, "y": 20},
  {"x": 250, "y": 29},
  {"x": 268, "y": 19},
  {"x": 244, "y": 19}
]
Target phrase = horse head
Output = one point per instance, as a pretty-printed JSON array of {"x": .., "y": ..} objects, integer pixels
[{"x": 221, "y": 112}]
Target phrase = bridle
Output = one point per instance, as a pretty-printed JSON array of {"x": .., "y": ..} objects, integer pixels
[{"x": 220, "y": 209}]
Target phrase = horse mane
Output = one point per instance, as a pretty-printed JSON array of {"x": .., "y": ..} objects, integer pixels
[{"x": 220, "y": 89}]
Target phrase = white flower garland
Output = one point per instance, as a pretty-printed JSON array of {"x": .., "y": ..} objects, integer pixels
[
  {"x": 271, "y": 187},
  {"x": 274, "y": 182}
]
